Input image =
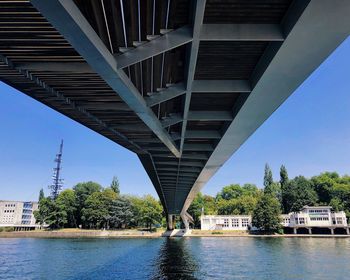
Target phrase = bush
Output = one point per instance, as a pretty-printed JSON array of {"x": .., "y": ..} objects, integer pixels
[{"x": 6, "y": 229}]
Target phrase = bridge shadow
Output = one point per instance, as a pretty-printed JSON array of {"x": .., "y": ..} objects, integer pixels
[{"x": 174, "y": 261}]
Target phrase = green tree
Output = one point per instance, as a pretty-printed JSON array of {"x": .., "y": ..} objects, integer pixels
[
  {"x": 324, "y": 185},
  {"x": 97, "y": 207},
  {"x": 67, "y": 202},
  {"x": 299, "y": 192},
  {"x": 243, "y": 205},
  {"x": 209, "y": 205},
  {"x": 95, "y": 213},
  {"x": 50, "y": 214},
  {"x": 121, "y": 213},
  {"x": 230, "y": 192},
  {"x": 115, "y": 185},
  {"x": 266, "y": 215},
  {"x": 151, "y": 211},
  {"x": 283, "y": 183},
  {"x": 82, "y": 192},
  {"x": 195, "y": 209},
  {"x": 268, "y": 179},
  {"x": 41, "y": 194}
]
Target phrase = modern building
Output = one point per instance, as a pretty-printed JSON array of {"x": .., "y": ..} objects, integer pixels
[
  {"x": 18, "y": 214},
  {"x": 320, "y": 219},
  {"x": 317, "y": 219},
  {"x": 226, "y": 222}
]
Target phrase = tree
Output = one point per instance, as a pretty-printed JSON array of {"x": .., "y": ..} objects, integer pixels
[
  {"x": 41, "y": 194},
  {"x": 266, "y": 215},
  {"x": 50, "y": 214},
  {"x": 96, "y": 211},
  {"x": 243, "y": 205},
  {"x": 283, "y": 182},
  {"x": 230, "y": 192},
  {"x": 121, "y": 213},
  {"x": 268, "y": 180},
  {"x": 115, "y": 185},
  {"x": 195, "y": 209},
  {"x": 151, "y": 211},
  {"x": 324, "y": 185},
  {"x": 283, "y": 176},
  {"x": 82, "y": 192},
  {"x": 67, "y": 202},
  {"x": 298, "y": 193}
]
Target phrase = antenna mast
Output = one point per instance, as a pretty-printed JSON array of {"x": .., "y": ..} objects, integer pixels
[{"x": 57, "y": 181}]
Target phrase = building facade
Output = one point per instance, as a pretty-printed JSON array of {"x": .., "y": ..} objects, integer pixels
[
  {"x": 310, "y": 219},
  {"x": 18, "y": 214},
  {"x": 229, "y": 222},
  {"x": 316, "y": 217}
]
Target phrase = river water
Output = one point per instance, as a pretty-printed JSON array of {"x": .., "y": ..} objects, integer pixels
[{"x": 176, "y": 258}]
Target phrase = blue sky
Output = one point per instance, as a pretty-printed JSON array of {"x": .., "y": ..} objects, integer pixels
[{"x": 309, "y": 133}]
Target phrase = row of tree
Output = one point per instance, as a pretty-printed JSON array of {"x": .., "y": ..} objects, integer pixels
[
  {"x": 89, "y": 205},
  {"x": 283, "y": 196}
]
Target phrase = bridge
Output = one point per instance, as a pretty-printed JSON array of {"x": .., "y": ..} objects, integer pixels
[{"x": 181, "y": 83}]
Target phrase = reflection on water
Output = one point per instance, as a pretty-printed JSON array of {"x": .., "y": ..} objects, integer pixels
[
  {"x": 176, "y": 258},
  {"x": 175, "y": 261}
]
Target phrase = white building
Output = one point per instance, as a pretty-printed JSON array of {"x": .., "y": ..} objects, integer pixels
[
  {"x": 18, "y": 214},
  {"x": 309, "y": 219},
  {"x": 316, "y": 217},
  {"x": 229, "y": 222}
]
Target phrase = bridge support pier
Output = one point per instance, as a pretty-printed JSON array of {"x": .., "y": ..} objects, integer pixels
[
  {"x": 186, "y": 219},
  {"x": 170, "y": 222}
]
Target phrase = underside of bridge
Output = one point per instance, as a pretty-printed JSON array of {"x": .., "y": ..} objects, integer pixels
[{"x": 181, "y": 83}]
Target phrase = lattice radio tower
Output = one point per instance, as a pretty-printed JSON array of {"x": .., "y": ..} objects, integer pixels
[{"x": 57, "y": 181}]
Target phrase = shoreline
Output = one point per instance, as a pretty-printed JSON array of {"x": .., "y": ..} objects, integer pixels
[{"x": 143, "y": 234}]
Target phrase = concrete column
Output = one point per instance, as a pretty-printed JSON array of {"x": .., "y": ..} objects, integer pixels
[
  {"x": 170, "y": 222},
  {"x": 332, "y": 230},
  {"x": 186, "y": 222},
  {"x": 295, "y": 230},
  {"x": 347, "y": 231},
  {"x": 310, "y": 230}
]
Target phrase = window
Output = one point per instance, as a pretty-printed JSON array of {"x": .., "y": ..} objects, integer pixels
[
  {"x": 235, "y": 223},
  {"x": 339, "y": 220},
  {"x": 226, "y": 223},
  {"x": 245, "y": 222},
  {"x": 301, "y": 221}
]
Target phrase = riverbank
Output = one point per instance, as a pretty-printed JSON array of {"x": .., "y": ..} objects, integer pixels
[{"x": 77, "y": 233}]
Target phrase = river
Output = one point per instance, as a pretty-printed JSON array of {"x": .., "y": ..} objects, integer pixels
[{"x": 176, "y": 258}]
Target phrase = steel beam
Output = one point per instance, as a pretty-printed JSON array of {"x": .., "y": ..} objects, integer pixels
[
  {"x": 183, "y": 163},
  {"x": 198, "y": 147},
  {"x": 80, "y": 67},
  {"x": 66, "y": 17},
  {"x": 241, "y": 32},
  {"x": 166, "y": 94},
  {"x": 210, "y": 116},
  {"x": 198, "y": 116},
  {"x": 202, "y": 134},
  {"x": 157, "y": 46},
  {"x": 324, "y": 25},
  {"x": 171, "y": 120},
  {"x": 221, "y": 86},
  {"x": 198, "y": 15}
]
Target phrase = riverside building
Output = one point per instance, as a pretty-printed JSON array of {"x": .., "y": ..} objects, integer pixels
[
  {"x": 310, "y": 220},
  {"x": 18, "y": 214},
  {"x": 316, "y": 219},
  {"x": 226, "y": 222}
]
